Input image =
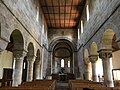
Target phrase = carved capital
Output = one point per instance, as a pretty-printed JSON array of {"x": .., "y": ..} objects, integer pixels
[
  {"x": 19, "y": 53},
  {"x": 37, "y": 58},
  {"x": 31, "y": 58},
  {"x": 86, "y": 60},
  {"x": 105, "y": 53},
  {"x": 93, "y": 58}
]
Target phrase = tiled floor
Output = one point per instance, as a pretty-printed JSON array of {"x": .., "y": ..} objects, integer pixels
[{"x": 62, "y": 86}]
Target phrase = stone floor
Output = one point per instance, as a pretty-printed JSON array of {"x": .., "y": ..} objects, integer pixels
[{"x": 62, "y": 86}]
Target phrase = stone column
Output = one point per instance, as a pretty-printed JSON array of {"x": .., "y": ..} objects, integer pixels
[
  {"x": 105, "y": 55},
  {"x": 86, "y": 74},
  {"x": 93, "y": 59},
  {"x": 49, "y": 63},
  {"x": 37, "y": 69},
  {"x": 30, "y": 61},
  {"x": 17, "y": 72}
]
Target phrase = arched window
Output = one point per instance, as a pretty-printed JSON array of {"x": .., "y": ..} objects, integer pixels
[
  {"x": 62, "y": 62},
  {"x": 87, "y": 12},
  {"x": 37, "y": 14},
  {"x": 78, "y": 33},
  {"x": 24, "y": 64},
  {"x": 55, "y": 63},
  {"x": 81, "y": 26},
  {"x": 68, "y": 63}
]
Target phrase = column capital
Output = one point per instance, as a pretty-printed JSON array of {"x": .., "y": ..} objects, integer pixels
[
  {"x": 19, "y": 53},
  {"x": 31, "y": 58},
  {"x": 93, "y": 58},
  {"x": 105, "y": 53},
  {"x": 86, "y": 60},
  {"x": 38, "y": 58}
]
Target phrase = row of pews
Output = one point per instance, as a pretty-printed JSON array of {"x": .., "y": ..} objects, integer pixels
[
  {"x": 34, "y": 85},
  {"x": 88, "y": 85}
]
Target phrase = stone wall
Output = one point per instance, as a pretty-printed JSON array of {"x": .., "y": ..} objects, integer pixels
[
  {"x": 22, "y": 15},
  {"x": 62, "y": 33},
  {"x": 26, "y": 16},
  {"x": 104, "y": 14}
]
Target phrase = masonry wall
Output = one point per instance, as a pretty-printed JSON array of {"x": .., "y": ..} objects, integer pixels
[
  {"x": 62, "y": 33},
  {"x": 27, "y": 17},
  {"x": 116, "y": 60},
  {"x": 104, "y": 14},
  {"x": 25, "y": 11},
  {"x": 6, "y": 61}
]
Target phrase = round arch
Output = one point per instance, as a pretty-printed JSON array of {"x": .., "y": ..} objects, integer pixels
[
  {"x": 61, "y": 39},
  {"x": 62, "y": 45},
  {"x": 38, "y": 55},
  {"x": 107, "y": 39},
  {"x": 30, "y": 49},
  {"x": 16, "y": 41},
  {"x": 93, "y": 49},
  {"x": 37, "y": 66},
  {"x": 86, "y": 56},
  {"x": 87, "y": 65}
]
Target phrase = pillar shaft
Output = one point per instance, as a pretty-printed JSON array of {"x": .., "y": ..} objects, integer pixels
[
  {"x": 17, "y": 74},
  {"x": 107, "y": 68},
  {"x": 30, "y": 61},
  {"x": 94, "y": 74},
  {"x": 87, "y": 73},
  {"x": 93, "y": 59},
  {"x": 86, "y": 77},
  {"x": 37, "y": 70}
]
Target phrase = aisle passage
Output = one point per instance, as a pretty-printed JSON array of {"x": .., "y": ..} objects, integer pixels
[{"x": 62, "y": 86}]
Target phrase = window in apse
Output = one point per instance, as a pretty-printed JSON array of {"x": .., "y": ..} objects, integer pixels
[
  {"x": 62, "y": 62},
  {"x": 68, "y": 63},
  {"x": 55, "y": 63}
]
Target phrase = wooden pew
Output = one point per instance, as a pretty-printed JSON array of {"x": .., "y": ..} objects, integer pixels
[
  {"x": 84, "y": 84},
  {"x": 34, "y": 85}
]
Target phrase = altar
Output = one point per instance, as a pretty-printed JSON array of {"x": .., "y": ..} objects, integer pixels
[{"x": 62, "y": 77}]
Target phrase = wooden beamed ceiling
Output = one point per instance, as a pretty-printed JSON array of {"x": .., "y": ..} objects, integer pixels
[{"x": 62, "y": 13}]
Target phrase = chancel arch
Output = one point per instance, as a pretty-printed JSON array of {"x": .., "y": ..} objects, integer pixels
[{"x": 62, "y": 49}]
